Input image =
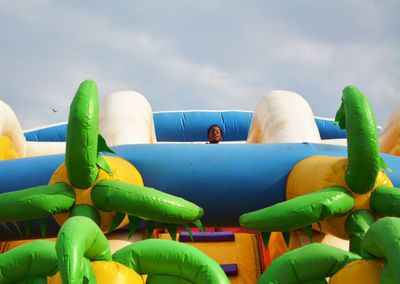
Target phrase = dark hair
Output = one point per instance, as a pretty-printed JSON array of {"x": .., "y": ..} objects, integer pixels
[{"x": 208, "y": 130}]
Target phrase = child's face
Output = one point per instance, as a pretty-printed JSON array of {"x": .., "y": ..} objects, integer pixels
[{"x": 215, "y": 135}]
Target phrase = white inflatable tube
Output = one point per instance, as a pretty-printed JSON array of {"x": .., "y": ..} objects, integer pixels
[
  {"x": 126, "y": 117},
  {"x": 34, "y": 148},
  {"x": 10, "y": 127},
  {"x": 283, "y": 117},
  {"x": 339, "y": 142}
]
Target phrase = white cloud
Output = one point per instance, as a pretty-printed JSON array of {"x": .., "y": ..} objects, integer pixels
[{"x": 188, "y": 55}]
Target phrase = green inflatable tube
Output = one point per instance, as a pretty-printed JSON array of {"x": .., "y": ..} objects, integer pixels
[
  {"x": 385, "y": 201},
  {"x": 162, "y": 279},
  {"x": 300, "y": 211},
  {"x": 306, "y": 264},
  {"x": 79, "y": 241},
  {"x": 82, "y": 136},
  {"x": 362, "y": 140},
  {"x": 86, "y": 211},
  {"x": 37, "y": 202},
  {"x": 33, "y": 261},
  {"x": 34, "y": 280},
  {"x": 382, "y": 241},
  {"x": 356, "y": 226},
  {"x": 144, "y": 202},
  {"x": 165, "y": 257}
]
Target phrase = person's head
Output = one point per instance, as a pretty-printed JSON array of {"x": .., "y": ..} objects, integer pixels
[{"x": 214, "y": 134}]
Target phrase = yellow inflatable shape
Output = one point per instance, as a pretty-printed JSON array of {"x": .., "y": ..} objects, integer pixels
[
  {"x": 108, "y": 272},
  {"x": 366, "y": 271},
  {"x": 122, "y": 171},
  {"x": 7, "y": 150},
  {"x": 277, "y": 245},
  {"x": 319, "y": 172}
]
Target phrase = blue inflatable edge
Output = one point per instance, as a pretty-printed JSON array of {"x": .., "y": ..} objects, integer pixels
[{"x": 190, "y": 126}]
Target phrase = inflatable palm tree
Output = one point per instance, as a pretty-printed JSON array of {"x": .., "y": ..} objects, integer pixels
[
  {"x": 89, "y": 195},
  {"x": 338, "y": 196}
]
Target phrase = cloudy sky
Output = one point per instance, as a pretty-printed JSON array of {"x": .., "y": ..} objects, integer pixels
[{"x": 209, "y": 54}]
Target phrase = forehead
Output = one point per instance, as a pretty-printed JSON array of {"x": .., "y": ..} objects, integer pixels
[{"x": 215, "y": 128}]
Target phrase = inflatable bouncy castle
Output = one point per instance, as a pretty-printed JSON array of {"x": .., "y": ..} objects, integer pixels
[{"x": 119, "y": 194}]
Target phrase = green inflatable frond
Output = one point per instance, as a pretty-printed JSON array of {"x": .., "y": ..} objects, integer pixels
[
  {"x": 199, "y": 225},
  {"x": 308, "y": 231},
  {"x": 102, "y": 145},
  {"x": 187, "y": 229},
  {"x": 28, "y": 226},
  {"x": 385, "y": 275},
  {"x": 341, "y": 117},
  {"x": 118, "y": 218},
  {"x": 101, "y": 162},
  {"x": 320, "y": 281},
  {"x": 307, "y": 264},
  {"x": 43, "y": 224},
  {"x": 33, "y": 280},
  {"x": 80, "y": 241},
  {"x": 163, "y": 279},
  {"x": 82, "y": 136},
  {"x": 362, "y": 141},
  {"x": 286, "y": 237},
  {"x": 385, "y": 201},
  {"x": 28, "y": 263},
  {"x": 86, "y": 210},
  {"x": 148, "y": 203},
  {"x": 172, "y": 230},
  {"x": 175, "y": 259},
  {"x": 38, "y": 202},
  {"x": 133, "y": 224},
  {"x": 88, "y": 273},
  {"x": 151, "y": 225},
  {"x": 381, "y": 241},
  {"x": 356, "y": 226},
  {"x": 300, "y": 211}
]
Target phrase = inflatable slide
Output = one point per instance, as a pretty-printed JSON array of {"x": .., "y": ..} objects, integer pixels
[{"x": 131, "y": 195}]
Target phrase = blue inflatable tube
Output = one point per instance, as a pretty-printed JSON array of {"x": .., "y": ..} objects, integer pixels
[
  {"x": 189, "y": 126},
  {"x": 225, "y": 180},
  {"x": 329, "y": 130},
  {"x": 193, "y": 125},
  {"x": 56, "y": 133},
  {"x": 180, "y": 126}
]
